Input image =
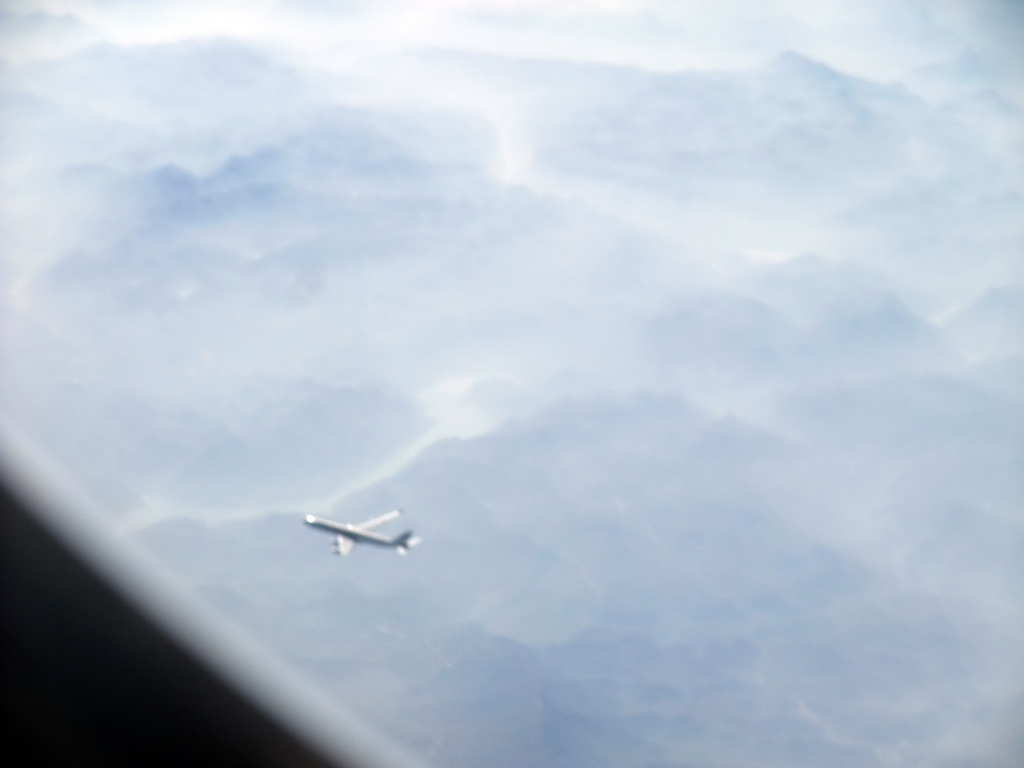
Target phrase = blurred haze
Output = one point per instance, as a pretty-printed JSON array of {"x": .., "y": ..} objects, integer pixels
[{"x": 690, "y": 336}]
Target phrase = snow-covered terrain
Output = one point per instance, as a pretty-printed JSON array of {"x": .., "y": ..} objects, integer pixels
[{"x": 697, "y": 365}]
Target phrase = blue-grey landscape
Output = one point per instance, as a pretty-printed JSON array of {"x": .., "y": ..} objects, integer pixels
[{"x": 688, "y": 336}]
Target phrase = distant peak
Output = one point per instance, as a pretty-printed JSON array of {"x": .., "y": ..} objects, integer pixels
[
  {"x": 796, "y": 70},
  {"x": 790, "y": 62}
]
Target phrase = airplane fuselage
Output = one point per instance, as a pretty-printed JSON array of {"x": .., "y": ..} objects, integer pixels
[
  {"x": 350, "y": 531},
  {"x": 347, "y": 535}
]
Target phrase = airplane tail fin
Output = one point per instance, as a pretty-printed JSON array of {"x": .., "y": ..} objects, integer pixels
[{"x": 406, "y": 541}]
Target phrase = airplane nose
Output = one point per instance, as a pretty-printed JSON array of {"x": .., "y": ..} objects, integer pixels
[{"x": 310, "y": 519}]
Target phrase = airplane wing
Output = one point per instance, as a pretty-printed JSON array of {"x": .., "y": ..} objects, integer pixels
[{"x": 386, "y": 518}]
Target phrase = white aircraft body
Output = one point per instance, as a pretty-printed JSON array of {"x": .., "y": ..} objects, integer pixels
[{"x": 347, "y": 535}]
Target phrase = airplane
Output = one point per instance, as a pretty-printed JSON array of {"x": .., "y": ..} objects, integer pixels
[{"x": 347, "y": 535}]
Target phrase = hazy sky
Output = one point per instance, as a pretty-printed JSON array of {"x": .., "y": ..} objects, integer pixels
[{"x": 269, "y": 256}]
